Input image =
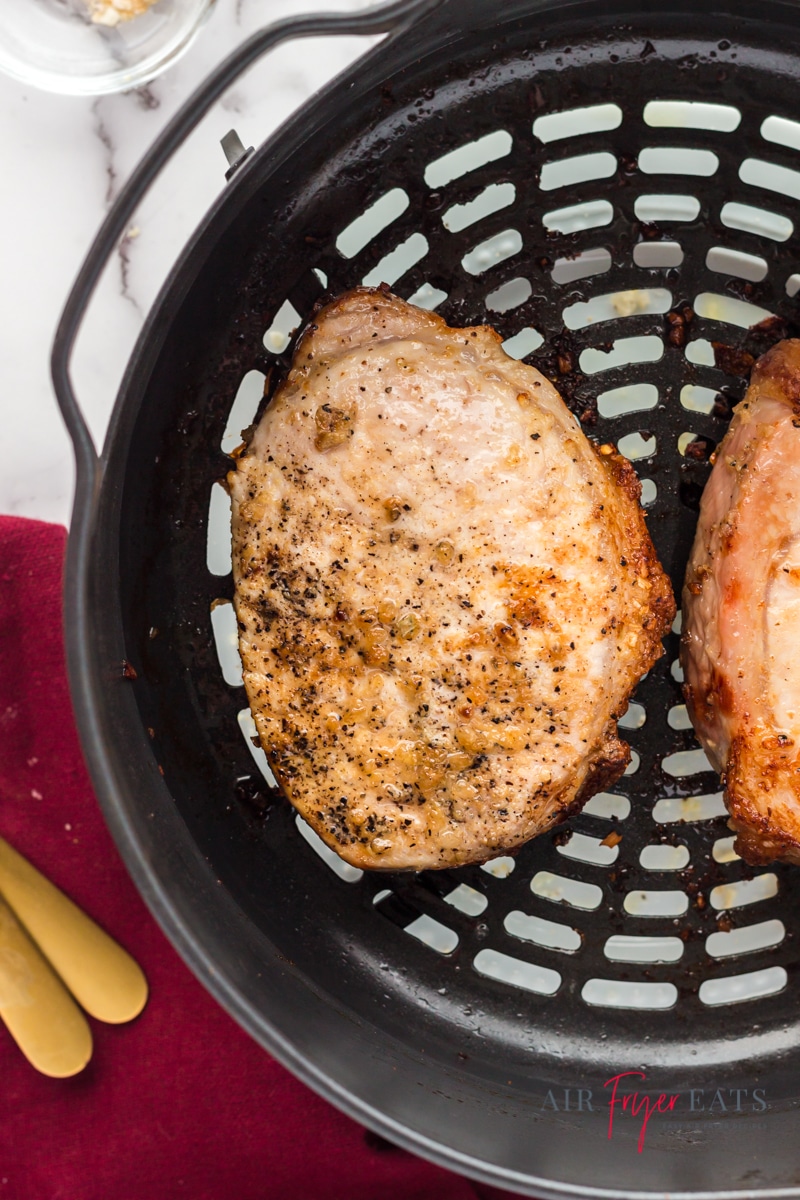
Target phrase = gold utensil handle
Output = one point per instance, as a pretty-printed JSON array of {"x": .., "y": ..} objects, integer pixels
[
  {"x": 38, "y": 1011},
  {"x": 102, "y": 976}
]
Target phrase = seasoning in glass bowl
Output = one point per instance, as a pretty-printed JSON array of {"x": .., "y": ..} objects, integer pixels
[{"x": 113, "y": 12}]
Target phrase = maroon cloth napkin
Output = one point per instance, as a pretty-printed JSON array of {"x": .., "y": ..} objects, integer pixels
[{"x": 181, "y": 1101}]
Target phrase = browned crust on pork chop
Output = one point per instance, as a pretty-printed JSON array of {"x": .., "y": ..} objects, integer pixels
[
  {"x": 741, "y": 613},
  {"x": 445, "y": 593}
]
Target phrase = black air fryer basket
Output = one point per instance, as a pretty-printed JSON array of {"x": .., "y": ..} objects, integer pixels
[{"x": 614, "y": 186}]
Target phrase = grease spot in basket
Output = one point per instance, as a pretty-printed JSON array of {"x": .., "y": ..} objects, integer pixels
[
  {"x": 621, "y": 993},
  {"x": 736, "y": 988},
  {"x": 492, "y": 199},
  {"x": 583, "y": 167},
  {"x": 397, "y": 262},
  {"x": 360, "y": 232},
  {"x": 467, "y": 900},
  {"x": 642, "y": 903},
  {"x": 623, "y": 352},
  {"x": 690, "y": 808},
  {"x": 433, "y": 934},
  {"x": 286, "y": 323},
  {"x": 218, "y": 545},
  {"x": 608, "y": 806},
  {"x": 573, "y": 122},
  {"x": 500, "y": 868},
  {"x": 744, "y": 891},
  {"x": 664, "y": 858},
  {"x": 589, "y": 214},
  {"x": 589, "y": 850},
  {"x": 248, "y": 729},
  {"x": 623, "y": 948},
  {"x": 692, "y": 114},
  {"x": 746, "y": 940},
  {"x": 494, "y": 250},
  {"x": 243, "y": 411},
  {"x": 468, "y": 157},
  {"x": 506, "y": 969},
  {"x": 551, "y": 934},
  {"x": 523, "y": 343},
  {"x": 226, "y": 641},
  {"x": 562, "y": 890}
]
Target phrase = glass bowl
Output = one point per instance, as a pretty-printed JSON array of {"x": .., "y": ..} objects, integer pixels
[{"x": 64, "y": 46}]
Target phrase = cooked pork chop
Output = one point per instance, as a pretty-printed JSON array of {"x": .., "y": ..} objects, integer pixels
[
  {"x": 445, "y": 593},
  {"x": 741, "y": 613}
]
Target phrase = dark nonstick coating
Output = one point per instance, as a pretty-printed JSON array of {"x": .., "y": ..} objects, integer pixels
[{"x": 481, "y": 1075}]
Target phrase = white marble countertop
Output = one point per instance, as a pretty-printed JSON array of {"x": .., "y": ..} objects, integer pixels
[{"x": 64, "y": 160}]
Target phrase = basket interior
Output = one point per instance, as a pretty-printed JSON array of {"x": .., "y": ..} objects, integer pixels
[{"x": 622, "y": 206}]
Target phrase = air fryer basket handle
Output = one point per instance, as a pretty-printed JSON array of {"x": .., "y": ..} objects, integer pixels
[{"x": 384, "y": 18}]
